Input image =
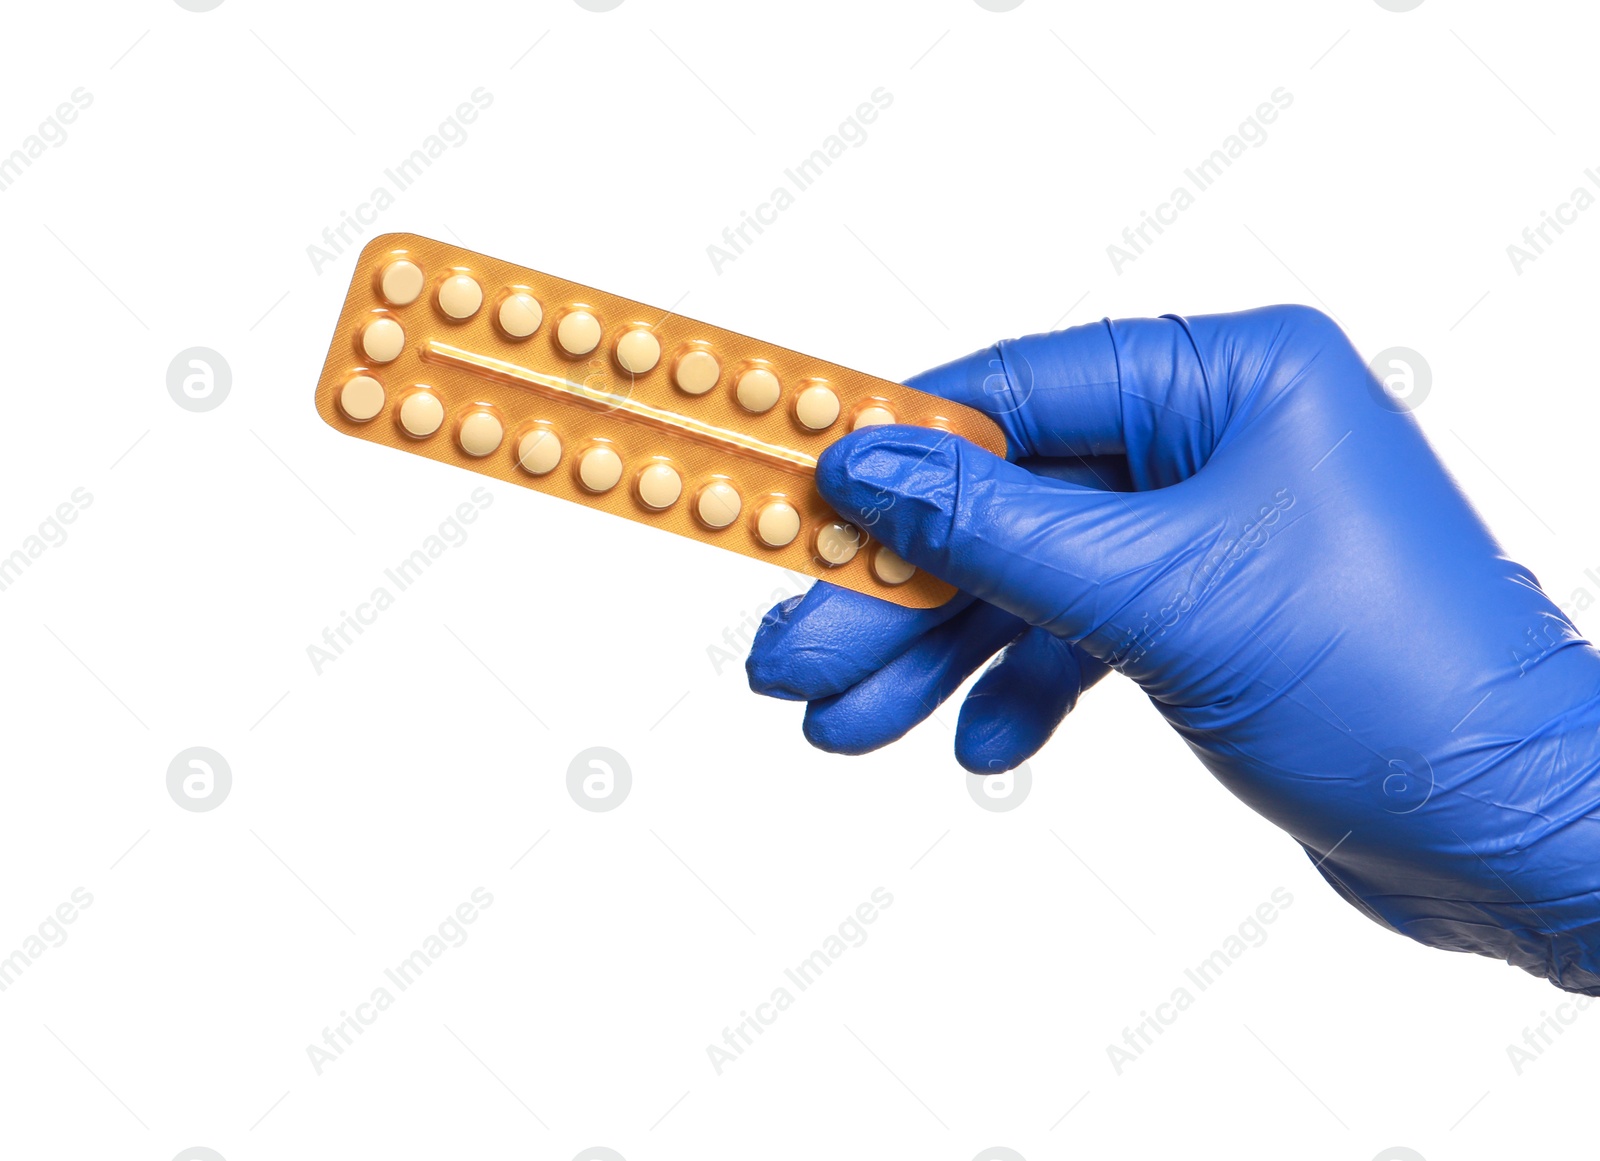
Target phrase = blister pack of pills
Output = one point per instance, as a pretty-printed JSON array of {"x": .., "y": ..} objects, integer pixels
[{"x": 622, "y": 407}]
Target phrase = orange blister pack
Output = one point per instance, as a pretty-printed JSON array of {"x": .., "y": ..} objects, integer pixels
[{"x": 627, "y": 408}]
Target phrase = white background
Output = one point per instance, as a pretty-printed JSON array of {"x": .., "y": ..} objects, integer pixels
[{"x": 369, "y": 801}]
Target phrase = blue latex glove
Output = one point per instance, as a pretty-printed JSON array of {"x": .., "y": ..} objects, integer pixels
[{"x": 1224, "y": 510}]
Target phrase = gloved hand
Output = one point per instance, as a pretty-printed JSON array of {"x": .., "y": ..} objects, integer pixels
[{"x": 1224, "y": 510}]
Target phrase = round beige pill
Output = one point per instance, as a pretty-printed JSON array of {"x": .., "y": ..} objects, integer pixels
[
  {"x": 757, "y": 390},
  {"x": 421, "y": 414},
  {"x": 872, "y": 417},
  {"x": 480, "y": 433},
  {"x": 697, "y": 372},
  {"x": 817, "y": 407},
  {"x": 599, "y": 468},
  {"x": 890, "y": 568},
  {"x": 383, "y": 339},
  {"x": 520, "y": 315},
  {"x": 718, "y": 504},
  {"x": 579, "y": 332},
  {"x": 838, "y": 543},
  {"x": 402, "y": 282},
  {"x": 539, "y": 451},
  {"x": 361, "y": 398},
  {"x": 460, "y": 296},
  {"x": 777, "y": 524},
  {"x": 660, "y": 486},
  {"x": 638, "y": 351}
]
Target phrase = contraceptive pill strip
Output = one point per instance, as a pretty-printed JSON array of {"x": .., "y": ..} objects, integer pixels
[{"x": 619, "y": 406}]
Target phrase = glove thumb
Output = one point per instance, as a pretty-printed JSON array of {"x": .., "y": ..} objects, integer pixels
[{"x": 1061, "y": 556}]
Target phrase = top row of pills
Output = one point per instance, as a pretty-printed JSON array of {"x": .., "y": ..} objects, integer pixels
[{"x": 695, "y": 370}]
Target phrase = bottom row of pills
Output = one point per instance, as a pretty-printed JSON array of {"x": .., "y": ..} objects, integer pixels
[{"x": 599, "y": 468}]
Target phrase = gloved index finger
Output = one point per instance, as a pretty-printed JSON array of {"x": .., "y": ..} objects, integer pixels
[
  {"x": 1160, "y": 391},
  {"x": 1053, "y": 394},
  {"x": 825, "y": 642}
]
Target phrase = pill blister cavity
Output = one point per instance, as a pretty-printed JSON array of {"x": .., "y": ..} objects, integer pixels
[
  {"x": 421, "y": 414},
  {"x": 660, "y": 486},
  {"x": 777, "y": 524},
  {"x": 382, "y": 340},
  {"x": 539, "y": 451},
  {"x": 579, "y": 332},
  {"x": 599, "y": 468},
  {"x": 718, "y": 504},
  {"x": 816, "y": 407},
  {"x": 873, "y": 415},
  {"x": 638, "y": 351},
  {"x": 889, "y": 567},
  {"x": 757, "y": 390},
  {"x": 697, "y": 372},
  {"x": 480, "y": 433},
  {"x": 460, "y": 296},
  {"x": 361, "y": 398},
  {"x": 519, "y": 315},
  {"x": 401, "y": 283},
  {"x": 838, "y": 543}
]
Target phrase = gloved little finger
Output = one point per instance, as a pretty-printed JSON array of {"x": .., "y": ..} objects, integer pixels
[{"x": 1022, "y": 697}]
